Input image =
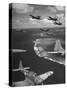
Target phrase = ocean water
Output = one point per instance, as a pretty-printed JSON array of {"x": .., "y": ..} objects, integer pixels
[{"x": 23, "y": 39}]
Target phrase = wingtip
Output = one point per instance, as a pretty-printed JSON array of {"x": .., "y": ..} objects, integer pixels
[{"x": 51, "y": 72}]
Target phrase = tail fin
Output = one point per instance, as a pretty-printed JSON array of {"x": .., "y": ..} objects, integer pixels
[
  {"x": 20, "y": 65},
  {"x": 58, "y": 47},
  {"x": 21, "y": 68},
  {"x": 18, "y": 50}
]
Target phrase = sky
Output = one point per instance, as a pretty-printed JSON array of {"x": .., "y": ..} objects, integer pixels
[{"x": 21, "y": 18}]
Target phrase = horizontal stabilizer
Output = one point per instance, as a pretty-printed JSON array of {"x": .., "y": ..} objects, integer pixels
[{"x": 18, "y": 50}]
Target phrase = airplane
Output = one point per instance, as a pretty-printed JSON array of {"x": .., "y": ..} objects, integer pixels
[
  {"x": 18, "y": 50},
  {"x": 58, "y": 50},
  {"x": 55, "y": 20},
  {"x": 31, "y": 78},
  {"x": 35, "y": 17},
  {"x": 44, "y": 30},
  {"x": 58, "y": 23},
  {"x": 51, "y": 18}
]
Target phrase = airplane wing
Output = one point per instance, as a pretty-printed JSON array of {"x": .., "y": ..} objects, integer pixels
[
  {"x": 62, "y": 52},
  {"x": 26, "y": 82},
  {"x": 52, "y": 52},
  {"x": 26, "y": 68},
  {"x": 42, "y": 77},
  {"x": 39, "y": 79},
  {"x": 18, "y": 50},
  {"x": 22, "y": 69},
  {"x": 16, "y": 70}
]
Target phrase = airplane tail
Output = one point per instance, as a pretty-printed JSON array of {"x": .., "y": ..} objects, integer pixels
[
  {"x": 21, "y": 68},
  {"x": 58, "y": 47},
  {"x": 18, "y": 50},
  {"x": 20, "y": 65}
]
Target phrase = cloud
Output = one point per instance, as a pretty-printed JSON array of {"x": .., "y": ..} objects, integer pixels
[
  {"x": 33, "y": 21},
  {"x": 52, "y": 9},
  {"x": 22, "y": 8},
  {"x": 61, "y": 18},
  {"x": 60, "y": 15},
  {"x": 56, "y": 8},
  {"x": 44, "y": 21},
  {"x": 60, "y": 8}
]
